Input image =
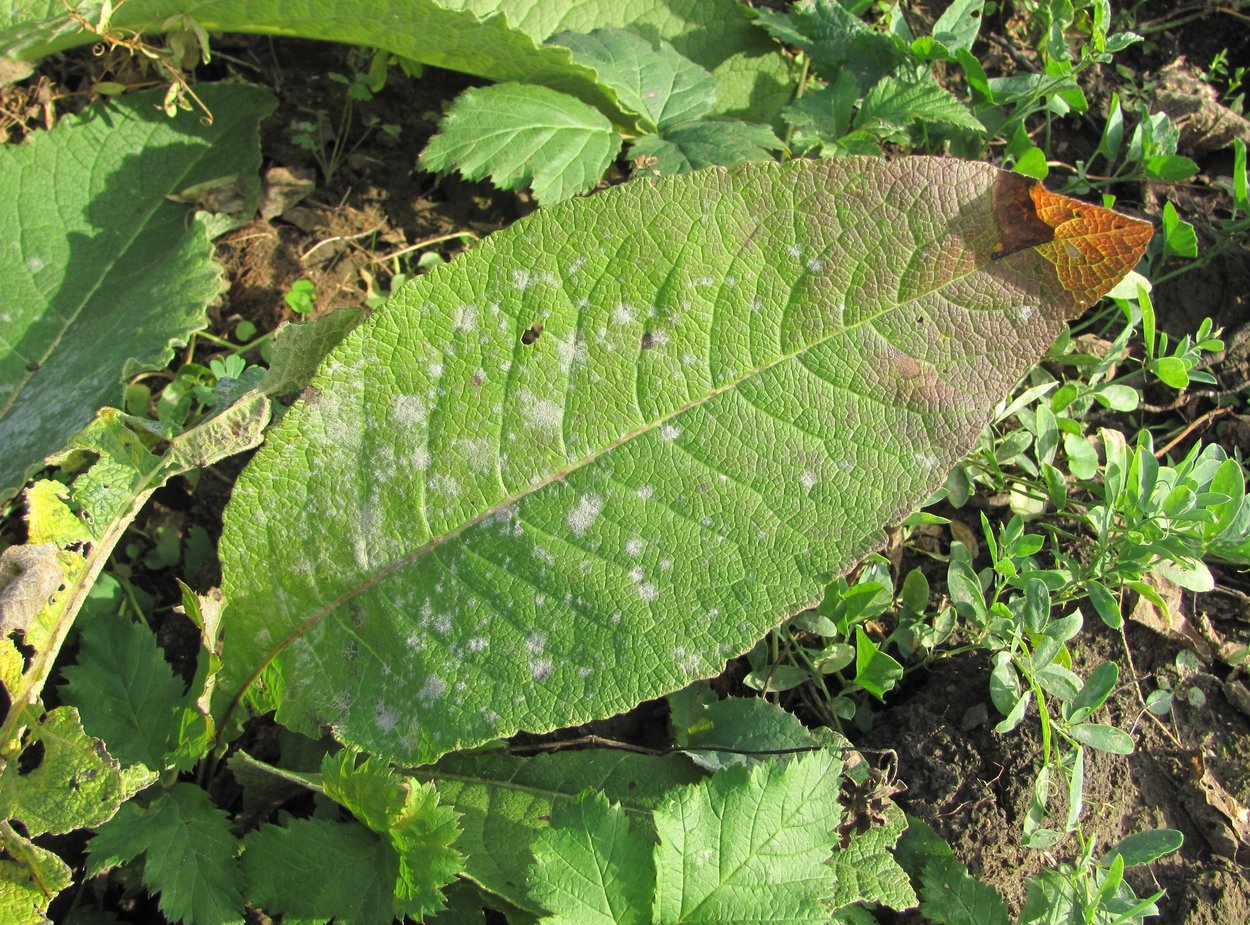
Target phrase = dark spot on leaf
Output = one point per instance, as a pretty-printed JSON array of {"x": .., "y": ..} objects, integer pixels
[
  {"x": 648, "y": 342},
  {"x": 1015, "y": 214},
  {"x": 632, "y": 785},
  {"x": 31, "y": 758},
  {"x": 532, "y": 334},
  {"x": 310, "y": 396},
  {"x": 477, "y": 380},
  {"x": 32, "y": 367}
]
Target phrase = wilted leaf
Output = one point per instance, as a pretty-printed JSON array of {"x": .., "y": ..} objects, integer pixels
[{"x": 65, "y": 779}]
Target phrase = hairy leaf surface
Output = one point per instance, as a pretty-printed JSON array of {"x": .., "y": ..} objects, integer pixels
[
  {"x": 101, "y": 273},
  {"x": 616, "y": 443}
]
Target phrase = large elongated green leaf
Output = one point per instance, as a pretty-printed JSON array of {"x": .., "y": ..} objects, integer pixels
[
  {"x": 101, "y": 274},
  {"x": 608, "y": 449},
  {"x": 442, "y": 34}
]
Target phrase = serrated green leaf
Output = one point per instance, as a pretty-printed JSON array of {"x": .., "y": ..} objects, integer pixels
[
  {"x": 746, "y": 724},
  {"x": 753, "y": 82},
  {"x": 30, "y": 878},
  {"x": 834, "y": 38},
  {"x": 505, "y": 800},
  {"x": 750, "y": 845},
  {"x": 650, "y": 78},
  {"x": 591, "y": 867},
  {"x": 949, "y": 895},
  {"x": 443, "y": 34},
  {"x": 897, "y": 104},
  {"x": 520, "y": 135},
  {"x": 706, "y": 143},
  {"x": 188, "y": 854},
  {"x": 825, "y": 113},
  {"x": 68, "y": 781},
  {"x": 469, "y": 528},
  {"x": 865, "y": 870},
  {"x": 125, "y": 691},
  {"x": 408, "y": 816},
  {"x": 316, "y": 869},
  {"x": 105, "y": 274}
]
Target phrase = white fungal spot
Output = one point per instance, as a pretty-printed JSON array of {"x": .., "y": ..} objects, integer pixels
[
  {"x": 794, "y": 250},
  {"x": 464, "y": 317},
  {"x": 808, "y": 479},
  {"x": 636, "y": 573},
  {"x": 815, "y": 265},
  {"x": 645, "y": 492},
  {"x": 544, "y": 414},
  {"x": 535, "y": 643},
  {"x": 648, "y": 591},
  {"x": 670, "y": 431},
  {"x": 35, "y": 264},
  {"x": 521, "y": 279},
  {"x": 634, "y": 547},
  {"x": 623, "y": 314},
  {"x": 386, "y": 716},
  {"x": 409, "y": 410},
  {"x": 926, "y": 459},
  {"x": 540, "y": 668},
  {"x": 584, "y": 514},
  {"x": 433, "y": 689},
  {"x": 478, "y": 644},
  {"x": 435, "y": 369}
]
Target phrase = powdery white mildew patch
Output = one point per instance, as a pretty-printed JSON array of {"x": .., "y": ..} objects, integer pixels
[{"x": 584, "y": 514}]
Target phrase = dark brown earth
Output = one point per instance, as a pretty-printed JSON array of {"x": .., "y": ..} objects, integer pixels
[{"x": 969, "y": 783}]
